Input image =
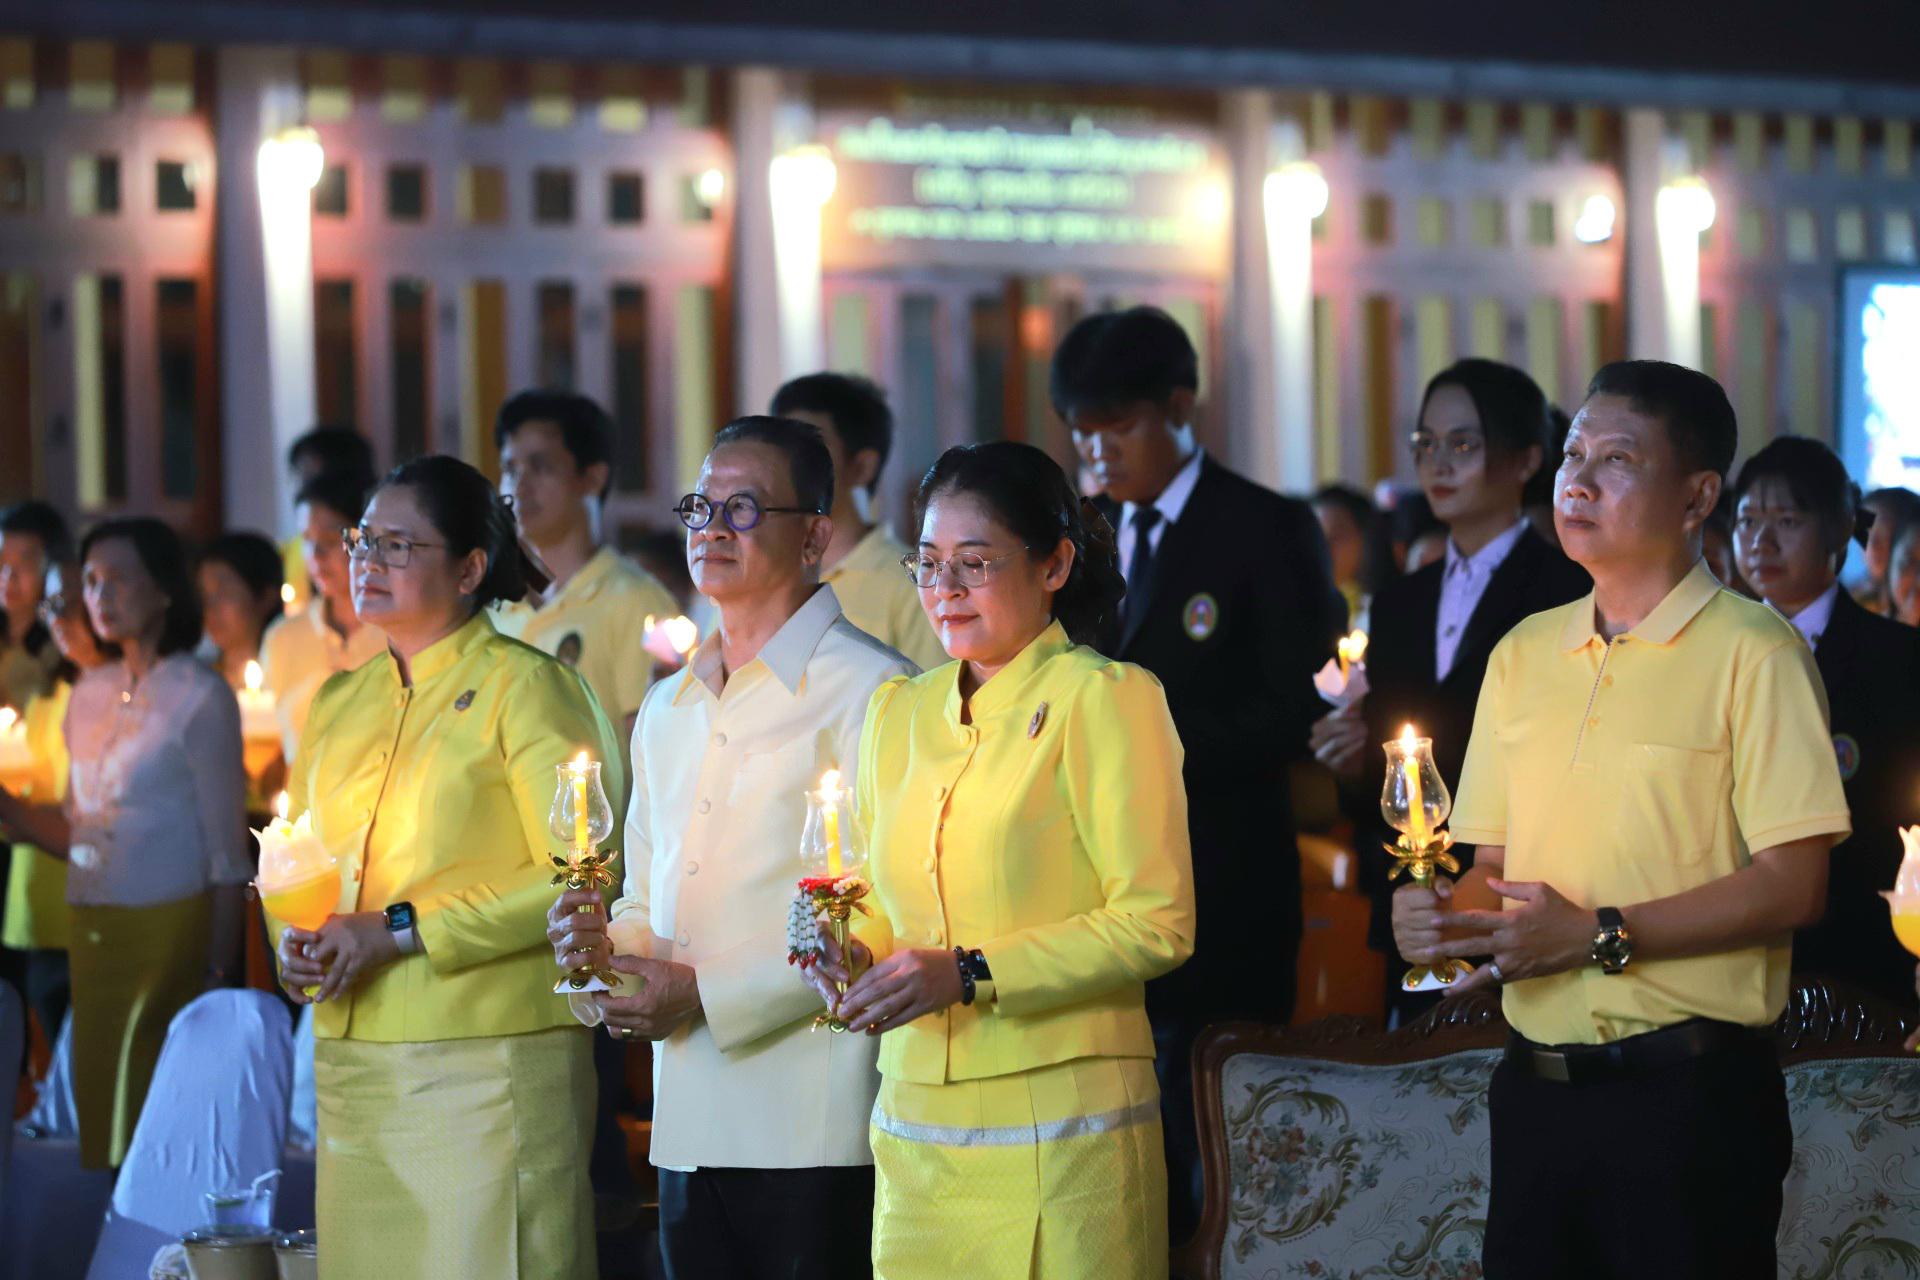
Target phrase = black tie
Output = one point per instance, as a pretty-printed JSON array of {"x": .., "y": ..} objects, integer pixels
[{"x": 1139, "y": 568}]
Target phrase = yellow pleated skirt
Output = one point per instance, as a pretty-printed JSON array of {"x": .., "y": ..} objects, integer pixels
[
  {"x": 455, "y": 1159},
  {"x": 133, "y": 968},
  {"x": 1056, "y": 1173}
]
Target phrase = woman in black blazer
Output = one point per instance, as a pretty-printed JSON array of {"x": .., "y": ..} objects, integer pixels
[
  {"x": 1482, "y": 434},
  {"x": 1794, "y": 510}
]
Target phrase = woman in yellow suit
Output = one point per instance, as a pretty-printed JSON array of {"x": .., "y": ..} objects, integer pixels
[
  {"x": 454, "y": 1089},
  {"x": 1031, "y": 872}
]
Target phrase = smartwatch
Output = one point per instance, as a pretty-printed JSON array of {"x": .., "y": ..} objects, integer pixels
[
  {"x": 400, "y": 923},
  {"x": 973, "y": 971}
]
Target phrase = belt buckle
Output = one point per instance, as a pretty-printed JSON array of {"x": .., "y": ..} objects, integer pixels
[{"x": 1548, "y": 1065}]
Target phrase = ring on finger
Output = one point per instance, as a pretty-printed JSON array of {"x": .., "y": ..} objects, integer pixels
[{"x": 1493, "y": 967}]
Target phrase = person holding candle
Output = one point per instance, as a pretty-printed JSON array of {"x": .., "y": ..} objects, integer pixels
[
  {"x": 38, "y": 920},
  {"x": 1230, "y": 602},
  {"x": 153, "y": 827},
  {"x": 1652, "y": 783},
  {"x": 1358, "y": 548},
  {"x": 863, "y": 560},
  {"x": 1030, "y": 874},
  {"x": 1482, "y": 433},
  {"x": 759, "y": 1127},
  {"x": 303, "y": 649},
  {"x": 556, "y": 466},
  {"x": 240, "y": 580},
  {"x": 446, "y": 1073},
  {"x": 1795, "y": 513}
]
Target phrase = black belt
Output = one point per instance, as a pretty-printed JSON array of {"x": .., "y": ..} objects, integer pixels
[{"x": 1635, "y": 1055}]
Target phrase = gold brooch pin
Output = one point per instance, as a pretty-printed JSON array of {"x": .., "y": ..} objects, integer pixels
[
  {"x": 464, "y": 701},
  {"x": 1039, "y": 718}
]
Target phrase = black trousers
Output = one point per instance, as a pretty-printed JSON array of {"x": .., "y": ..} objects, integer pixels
[
  {"x": 1673, "y": 1173},
  {"x": 767, "y": 1224}
]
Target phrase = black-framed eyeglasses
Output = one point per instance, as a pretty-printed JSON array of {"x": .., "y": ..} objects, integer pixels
[
  {"x": 1458, "y": 446},
  {"x": 969, "y": 568},
  {"x": 742, "y": 511},
  {"x": 388, "y": 549}
]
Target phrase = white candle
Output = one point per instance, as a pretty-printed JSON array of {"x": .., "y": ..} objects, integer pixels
[{"x": 256, "y": 707}]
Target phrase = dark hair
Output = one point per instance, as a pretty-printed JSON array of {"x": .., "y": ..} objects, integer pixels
[
  {"x": 856, "y": 407},
  {"x": 1511, "y": 406},
  {"x": 1903, "y": 508},
  {"x": 339, "y": 449},
  {"x": 1029, "y": 494},
  {"x": 1376, "y": 561},
  {"x": 1538, "y": 491},
  {"x": 1118, "y": 358},
  {"x": 164, "y": 556},
  {"x": 1694, "y": 408},
  {"x": 1816, "y": 481},
  {"x": 336, "y": 491},
  {"x": 254, "y": 560},
  {"x": 39, "y": 520},
  {"x": 585, "y": 429},
  {"x": 464, "y": 509},
  {"x": 807, "y": 456}
]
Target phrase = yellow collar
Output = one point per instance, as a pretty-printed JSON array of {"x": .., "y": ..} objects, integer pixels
[
  {"x": 1663, "y": 626},
  {"x": 445, "y": 653},
  {"x": 786, "y": 654},
  {"x": 1008, "y": 686}
]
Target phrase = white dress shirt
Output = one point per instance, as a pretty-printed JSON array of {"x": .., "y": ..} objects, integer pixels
[
  {"x": 300, "y": 653},
  {"x": 156, "y": 789},
  {"x": 1463, "y": 581},
  {"x": 712, "y": 858},
  {"x": 1812, "y": 621},
  {"x": 1171, "y": 502}
]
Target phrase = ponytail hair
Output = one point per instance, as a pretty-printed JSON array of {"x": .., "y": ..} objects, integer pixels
[
  {"x": 1030, "y": 495},
  {"x": 470, "y": 515}
]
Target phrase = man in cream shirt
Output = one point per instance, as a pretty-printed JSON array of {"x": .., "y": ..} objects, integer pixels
[{"x": 760, "y": 1125}]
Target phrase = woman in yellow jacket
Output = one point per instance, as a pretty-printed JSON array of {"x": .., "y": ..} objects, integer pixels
[
  {"x": 1030, "y": 873},
  {"x": 454, "y": 1089}
]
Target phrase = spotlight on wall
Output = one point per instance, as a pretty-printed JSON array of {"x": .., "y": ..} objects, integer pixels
[
  {"x": 1685, "y": 204},
  {"x": 804, "y": 176},
  {"x": 293, "y": 157},
  {"x": 709, "y": 187},
  {"x": 1298, "y": 188},
  {"x": 1595, "y": 223}
]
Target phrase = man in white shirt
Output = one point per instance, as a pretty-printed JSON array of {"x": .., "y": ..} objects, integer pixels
[{"x": 760, "y": 1125}]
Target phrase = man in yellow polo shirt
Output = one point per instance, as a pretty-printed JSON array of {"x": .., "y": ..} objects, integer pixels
[
  {"x": 863, "y": 560},
  {"x": 556, "y": 464},
  {"x": 1651, "y": 781}
]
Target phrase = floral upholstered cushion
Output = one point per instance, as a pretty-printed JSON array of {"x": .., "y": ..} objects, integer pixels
[
  {"x": 1852, "y": 1200},
  {"x": 1349, "y": 1172}
]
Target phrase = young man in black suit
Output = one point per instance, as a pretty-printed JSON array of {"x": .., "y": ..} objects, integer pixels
[
  {"x": 1483, "y": 429},
  {"x": 1794, "y": 511},
  {"x": 1230, "y": 602}
]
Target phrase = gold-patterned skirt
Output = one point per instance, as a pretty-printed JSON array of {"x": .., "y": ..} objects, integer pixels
[
  {"x": 456, "y": 1159},
  {"x": 133, "y": 968},
  {"x": 1056, "y": 1173}
]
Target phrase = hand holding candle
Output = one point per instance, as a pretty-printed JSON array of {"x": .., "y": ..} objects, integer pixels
[
  {"x": 1343, "y": 680},
  {"x": 1904, "y": 899},
  {"x": 581, "y": 818},
  {"x": 298, "y": 880},
  {"x": 1415, "y": 802},
  {"x": 832, "y": 854}
]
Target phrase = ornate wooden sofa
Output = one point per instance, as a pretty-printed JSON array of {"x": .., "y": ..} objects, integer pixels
[{"x": 1338, "y": 1152}]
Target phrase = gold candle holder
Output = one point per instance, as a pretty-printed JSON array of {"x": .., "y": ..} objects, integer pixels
[
  {"x": 1415, "y": 802},
  {"x": 581, "y": 819},
  {"x": 833, "y": 850}
]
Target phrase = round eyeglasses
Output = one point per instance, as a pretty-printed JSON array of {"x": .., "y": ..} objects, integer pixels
[
  {"x": 969, "y": 568},
  {"x": 389, "y": 550},
  {"x": 741, "y": 511}
]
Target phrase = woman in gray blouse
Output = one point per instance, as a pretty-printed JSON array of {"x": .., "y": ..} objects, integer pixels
[{"x": 153, "y": 829}]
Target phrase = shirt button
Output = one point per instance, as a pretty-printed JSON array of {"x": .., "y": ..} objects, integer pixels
[
  {"x": 719, "y": 739},
  {"x": 684, "y": 940},
  {"x": 693, "y": 868},
  {"x": 1594, "y": 723},
  {"x": 1608, "y": 681},
  {"x": 706, "y": 806}
]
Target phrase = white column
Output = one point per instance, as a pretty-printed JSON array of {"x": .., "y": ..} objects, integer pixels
[
  {"x": 265, "y": 275},
  {"x": 1293, "y": 196},
  {"x": 1644, "y": 171},
  {"x": 1250, "y": 396},
  {"x": 778, "y": 332}
]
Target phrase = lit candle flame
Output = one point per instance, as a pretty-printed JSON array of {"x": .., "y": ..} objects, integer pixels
[
  {"x": 681, "y": 634},
  {"x": 1409, "y": 740},
  {"x": 8, "y": 717},
  {"x": 286, "y": 594},
  {"x": 1354, "y": 647},
  {"x": 280, "y": 803},
  {"x": 1906, "y": 885},
  {"x": 830, "y": 784},
  {"x": 580, "y": 762},
  {"x": 254, "y": 677}
]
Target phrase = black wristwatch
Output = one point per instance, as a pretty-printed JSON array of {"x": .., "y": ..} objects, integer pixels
[
  {"x": 1612, "y": 944},
  {"x": 973, "y": 970},
  {"x": 400, "y": 917}
]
